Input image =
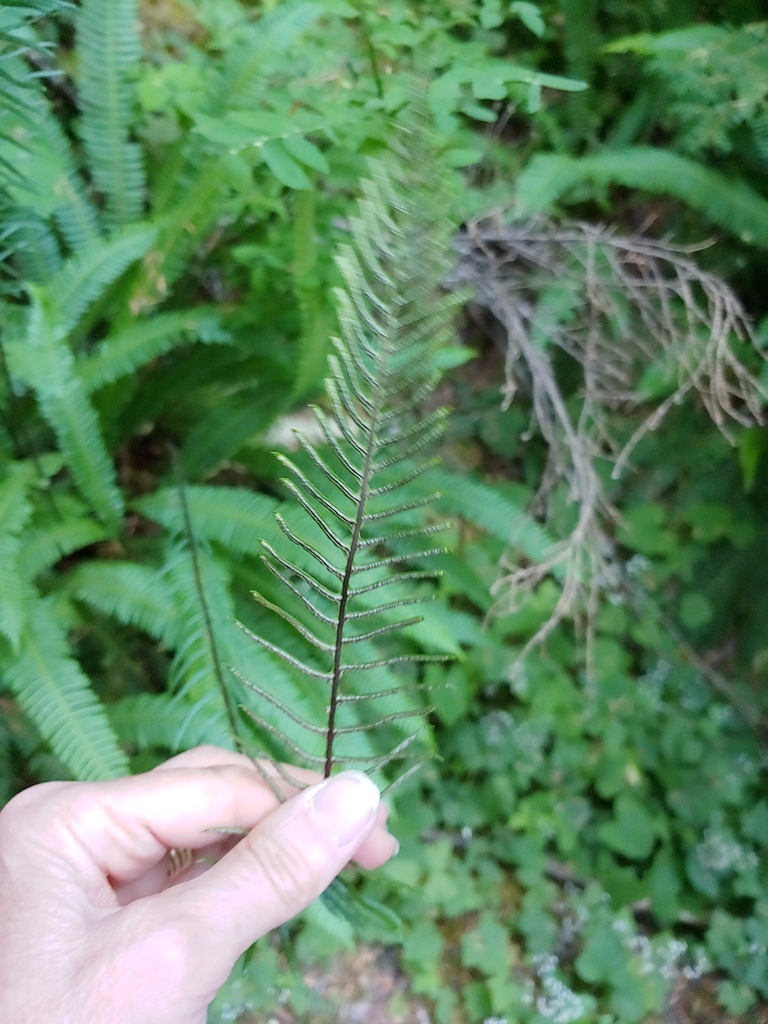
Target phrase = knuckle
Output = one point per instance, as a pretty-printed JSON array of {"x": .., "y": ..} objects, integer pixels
[
  {"x": 30, "y": 806},
  {"x": 289, "y": 873},
  {"x": 170, "y": 949}
]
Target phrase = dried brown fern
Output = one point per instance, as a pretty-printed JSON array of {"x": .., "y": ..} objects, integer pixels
[{"x": 646, "y": 326}]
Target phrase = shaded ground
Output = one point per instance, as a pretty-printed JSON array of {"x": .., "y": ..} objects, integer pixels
[{"x": 368, "y": 986}]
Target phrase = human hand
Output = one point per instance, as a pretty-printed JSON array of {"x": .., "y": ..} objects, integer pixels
[{"x": 92, "y": 931}]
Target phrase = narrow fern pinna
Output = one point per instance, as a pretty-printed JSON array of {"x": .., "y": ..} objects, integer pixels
[{"x": 355, "y": 557}]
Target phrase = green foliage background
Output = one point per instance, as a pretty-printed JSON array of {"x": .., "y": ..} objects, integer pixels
[{"x": 590, "y": 841}]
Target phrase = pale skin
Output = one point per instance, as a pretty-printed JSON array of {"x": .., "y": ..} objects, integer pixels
[{"x": 94, "y": 930}]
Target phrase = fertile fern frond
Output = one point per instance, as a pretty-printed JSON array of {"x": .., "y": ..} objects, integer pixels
[
  {"x": 56, "y": 694},
  {"x": 359, "y": 536},
  {"x": 108, "y": 51}
]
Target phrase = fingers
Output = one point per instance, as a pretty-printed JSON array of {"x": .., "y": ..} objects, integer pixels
[
  {"x": 209, "y": 756},
  {"x": 374, "y": 852},
  {"x": 281, "y": 866},
  {"x": 178, "y": 807},
  {"x": 123, "y": 828}
]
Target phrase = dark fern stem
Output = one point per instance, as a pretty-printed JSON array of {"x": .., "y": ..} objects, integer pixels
[
  {"x": 355, "y": 558},
  {"x": 230, "y": 707}
]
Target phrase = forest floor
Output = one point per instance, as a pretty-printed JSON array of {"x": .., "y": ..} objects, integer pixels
[{"x": 368, "y": 986}]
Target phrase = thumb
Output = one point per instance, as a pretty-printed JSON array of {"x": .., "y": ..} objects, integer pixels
[{"x": 281, "y": 866}]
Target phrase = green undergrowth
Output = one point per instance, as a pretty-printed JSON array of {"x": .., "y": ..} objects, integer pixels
[
  {"x": 588, "y": 837},
  {"x": 590, "y": 844}
]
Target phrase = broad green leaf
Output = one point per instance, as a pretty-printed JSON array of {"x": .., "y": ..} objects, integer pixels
[
  {"x": 306, "y": 153},
  {"x": 530, "y": 15},
  {"x": 283, "y": 166},
  {"x": 633, "y": 831}
]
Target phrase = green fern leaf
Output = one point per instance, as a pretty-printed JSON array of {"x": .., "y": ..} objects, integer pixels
[
  {"x": 731, "y": 205},
  {"x": 135, "y": 595},
  {"x": 37, "y": 165},
  {"x": 44, "y": 362},
  {"x": 84, "y": 278},
  {"x": 32, "y": 252},
  {"x": 488, "y": 507},
  {"x": 15, "y": 511},
  {"x": 185, "y": 196},
  {"x": 108, "y": 52},
  {"x": 47, "y": 542},
  {"x": 203, "y": 601},
  {"x": 230, "y": 516},
  {"x": 264, "y": 50},
  {"x": 122, "y": 354},
  {"x": 53, "y": 690},
  {"x": 227, "y": 428},
  {"x": 35, "y": 153},
  {"x": 362, "y": 913},
  {"x": 208, "y": 643},
  {"x": 147, "y": 721},
  {"x": 186, "y": 373},
  {"x": 316, "y": 317}
]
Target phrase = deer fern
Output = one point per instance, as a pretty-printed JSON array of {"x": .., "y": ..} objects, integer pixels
[
  {"x": 350, "y": 564},
  {"x": 730, "y": 204},
  {"x": 109, "y": 49}
]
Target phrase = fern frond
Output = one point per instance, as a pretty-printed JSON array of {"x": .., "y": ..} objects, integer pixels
[
  {"x": 47, "y": 542},
  {"x": 33, "y": 253},
  {"x": 202, "y": 596},
  {"x": 135, "y": 595},
  {"x": 15, "y": 511},
  {"x": 500, "y": 515},
  {"x": 229, "y": 516},
  {"x": 185, "y": 195},
  {"x": 731, "y": 205},
  {"x": 251, "y": 61},
  {"x": 56, "y": 694},
  {"x": 356, "y": 498},
  {"x": 108, "y": 51},
  {"x": 44, "y": 361},
  {"x": 38, "y": 169},
  {"x": 315, "y": 315},
  {"x": 161, "y": 721},
  {"x": 84, "y": 277},
  {"x": 122, "y": 354},
  {"x": 227, "y": 428}
]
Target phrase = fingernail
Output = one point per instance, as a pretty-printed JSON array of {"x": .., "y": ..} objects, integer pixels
[
  {"x": 343, "y": 805},
  {"x": 395, "y": 849}
]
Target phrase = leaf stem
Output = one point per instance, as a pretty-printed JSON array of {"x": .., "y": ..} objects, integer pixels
[{"x": 218, "y": 672}]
